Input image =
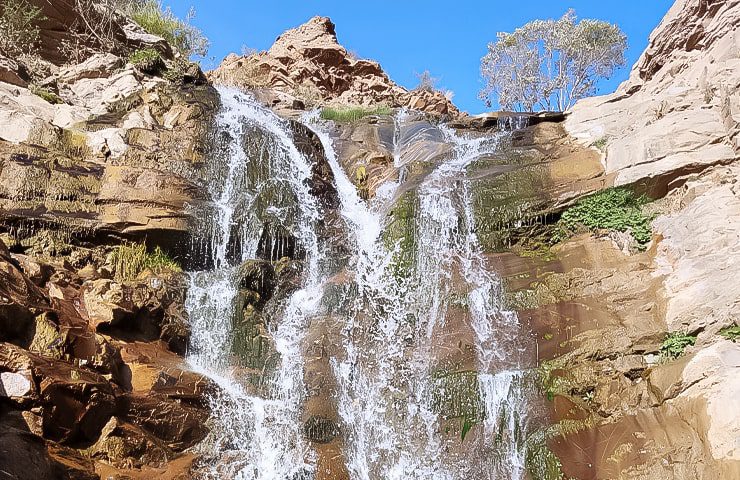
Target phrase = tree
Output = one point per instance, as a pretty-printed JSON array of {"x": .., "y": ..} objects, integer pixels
[
  {"x": 427, "y": 82},
  {"x": 550, "y": 64}
]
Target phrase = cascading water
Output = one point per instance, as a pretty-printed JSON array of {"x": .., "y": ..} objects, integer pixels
[
  {"x": 386, "y": 378},
  {"x": 253, "y": 437},
  {"x": 394, "y": 382}
]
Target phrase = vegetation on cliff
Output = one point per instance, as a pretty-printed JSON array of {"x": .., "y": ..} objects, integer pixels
[
  {"x": 352, "y": 114},
  {"x": 615, "y": 209},
  {"x": 129, "y": 260}
]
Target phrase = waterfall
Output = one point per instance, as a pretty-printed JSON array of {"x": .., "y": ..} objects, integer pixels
[
  {"x": 386, "y": 378},
  {"x": 405, "y": 399},
  {"x": 253, "y": 436}
]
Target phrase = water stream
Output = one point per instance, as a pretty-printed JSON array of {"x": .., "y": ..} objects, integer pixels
[{"x": 406, "y": 399}]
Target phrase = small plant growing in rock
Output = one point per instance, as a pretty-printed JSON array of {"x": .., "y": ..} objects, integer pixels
[
  {"x": 674, "y": 345},
  {"x": 47, "y": 95},
  {"x": 352, "y": 114},
  {"x": 601, "y": 143},
  {"x": 131, "y": 259},
  {"x": 618, "y": 209},
  {"x": 731, "y": 333},
  {"x": 147, "y": 60}
]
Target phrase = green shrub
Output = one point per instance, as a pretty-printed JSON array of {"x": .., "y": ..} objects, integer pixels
[
  {"x": 158, "y": 20},
  {"x": 731, "y": 333},
  {"x": 147, "y": 60},
  {"x": 617, "y": 209},
  {"x": 19, "y": 31},
  {"x": 674, "y": 345},
  {"x": 131, "y": 259},
  {"x": 45, "y": 94},
  {"x": 352, "y": 114}
]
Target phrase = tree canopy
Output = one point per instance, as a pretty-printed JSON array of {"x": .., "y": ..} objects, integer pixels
[{"x": 550, "y": 64}]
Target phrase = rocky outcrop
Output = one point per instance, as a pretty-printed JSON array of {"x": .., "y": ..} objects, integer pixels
[
  {"x": 307, "y": 66},
  {"x": 89, "y": 367},
  {"x": 679, "y": 111},
  {"x": 622, "y": 406},
  {"x": 120, "y": 157}
]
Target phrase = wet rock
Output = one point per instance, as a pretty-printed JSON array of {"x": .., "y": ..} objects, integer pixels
[
  {"x": 320, "y": 430},
  {"x": 323, "y": 185},
  {"x": 175, "y": 423},
  {"x": 258, "y": 276}
]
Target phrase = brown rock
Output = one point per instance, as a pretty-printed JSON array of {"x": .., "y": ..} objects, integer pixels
[
  {"x": 19, "y": 299},
  {"x": 76, "y": 403},
  {"x": 308, "y": 64},
  {"x": 124, "y": 445},
  {"x": 107, "y": 303},
  {"x": 25, "y": 456},
  {"x": 174, "y": 422}
]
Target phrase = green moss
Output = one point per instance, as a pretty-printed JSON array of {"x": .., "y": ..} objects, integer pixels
[
  {"x": 551, "y": 382},
  {"x": 731, "y": 333},
  {"x": 540, "y": 461},
  {"x": 148, "y": 60},
  {"x": 399, "y": 235},
  {"x": 617, "y": 209},
  {"x": 456, "y": 396},
  {"x": 674, "y": 345},
  {"x": 130, "y": 260},
  {"x": 46, "y": 95},
  {"x": 352, "y": 114}
]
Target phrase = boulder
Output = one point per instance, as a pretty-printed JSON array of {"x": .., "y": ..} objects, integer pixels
[
  {"x": 26, "y": 456},
  {"x": 125, "y": 445},
  {"x": 20, "y": 300},
  {"x": 76, "y": 403},
  {"x": 11, "y": 72},
  {"x": 107, "y": 303},
  {"x": 99, "y": 65}
]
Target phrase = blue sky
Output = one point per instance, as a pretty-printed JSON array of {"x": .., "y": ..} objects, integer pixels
[{"x": 448, "y": 38}]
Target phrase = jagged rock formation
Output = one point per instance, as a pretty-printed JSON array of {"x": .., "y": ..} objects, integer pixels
[
  {"x": 306, "y": 65},
  {"x": 680, "y": 109}
]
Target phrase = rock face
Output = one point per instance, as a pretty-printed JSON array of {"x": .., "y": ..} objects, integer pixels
[
  {"x": 679, "y": 111},
  {"x": 623, "y": 408},
  {"x": 308, "y": 65}
]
